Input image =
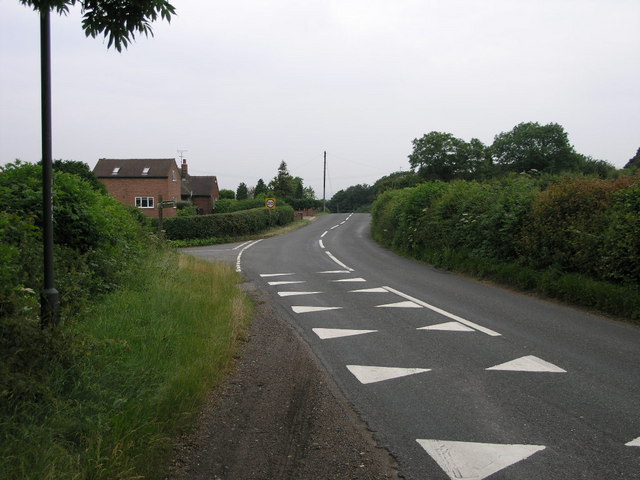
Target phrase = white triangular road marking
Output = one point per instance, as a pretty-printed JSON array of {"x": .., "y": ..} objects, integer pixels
[
  {"x": 634, "y": 443},
  {"x": 290, "y": 294},
  {"x": 275, "y": 274},
  {"x": 371, "y": 374},
  {"x": 303, "y": 309},
  {"x": 325, "y": 333},
  {"x": 528, "y": 363},
  {"x": 288, "y": 282},
  {"x": 475, "y": 461},
  {"x": 400, "y": 305},
  {"x": 350, "y": 280},
  {"x": 370, "y": 290},
  {"x": 449, "y": 327}
]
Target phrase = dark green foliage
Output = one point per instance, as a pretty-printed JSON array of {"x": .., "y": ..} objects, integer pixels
[
  {"x": 634, "y": 162},
  {"x": 242, "y": 192},
  {"x": 227, "y": 194},
  {"x": 236, "y": 224},
  {"x": 574, "y": 238},
  {"x": 260, "y": 189},
  {"x": 531, "y": 146},
  {"x": 228, "y": 205},
  {"x": 95, "y": 238},
  {"x": 117, "y": 20},
  {"x": 441, "y": 156},
  {"x": 282, "y": 184},
  {"x": 352, "y": 199},
  {"x": 82, "y": 170},
  {"x": 303, "y": 203},
  {"x": 396, "y": 180}
]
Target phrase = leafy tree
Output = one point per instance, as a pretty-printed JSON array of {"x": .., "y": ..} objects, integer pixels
[
  {"x": 260, "y": 188},
  {"x": 282, "y": 184},
  {"x": 242, "y": 192},
  {"x": 309, "y": 192},
  {"x": 298, "y": 188},
  {"x": 228, "y": 194},
  {"x": 634, "y": 162},
  {"x": 441, "y": 156},
  {"x": 117, "y": 20},
  {"x": 82, "y": 170},
  {"x": 353, "y": 198},
  {"x": 531, "y": 146}
]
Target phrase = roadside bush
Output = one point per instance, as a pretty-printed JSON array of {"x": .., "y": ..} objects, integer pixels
[
  {"x": 576, "y": 223},
  {"x": 562, "y": 236},
  {"x": 235, "y": 224},
  {"x": 95, "y": 238}
]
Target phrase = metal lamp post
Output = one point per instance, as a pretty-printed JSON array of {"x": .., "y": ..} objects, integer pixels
[{"x": 49, "y": 299}]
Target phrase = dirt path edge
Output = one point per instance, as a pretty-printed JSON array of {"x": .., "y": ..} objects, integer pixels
[{"x": 278, "y": 416}]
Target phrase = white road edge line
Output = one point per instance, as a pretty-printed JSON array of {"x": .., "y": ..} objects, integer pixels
[
  {"x": 241, "y": 245},
  {"x": 238, "y": 264},
  {"x": 338, "y": 261},
  {"x": 480, "y": 328}
]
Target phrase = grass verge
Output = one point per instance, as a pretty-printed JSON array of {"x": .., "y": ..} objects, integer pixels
[{"x": 138, "y": 366}]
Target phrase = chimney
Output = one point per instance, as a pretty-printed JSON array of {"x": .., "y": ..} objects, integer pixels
[{"x": 185, "y": 170}]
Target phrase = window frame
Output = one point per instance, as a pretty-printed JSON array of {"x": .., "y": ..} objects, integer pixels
[{"x": 140, "y": 202}]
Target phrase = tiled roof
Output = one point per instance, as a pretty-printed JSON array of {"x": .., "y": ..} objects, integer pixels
[
  {"x": 199, "y": 186},
  {"x": 134, "y": 167}
]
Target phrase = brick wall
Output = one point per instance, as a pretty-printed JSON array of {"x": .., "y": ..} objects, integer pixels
[{"x": 126, "y": 189}]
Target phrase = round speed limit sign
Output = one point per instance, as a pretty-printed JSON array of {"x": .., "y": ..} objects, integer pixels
[{"x": 270, "y": 203}]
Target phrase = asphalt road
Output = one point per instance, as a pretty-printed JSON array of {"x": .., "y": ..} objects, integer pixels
[{"x": 458, "y": 379}]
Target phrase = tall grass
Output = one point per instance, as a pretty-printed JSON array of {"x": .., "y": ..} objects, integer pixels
[{"x": 143, "y": 360}]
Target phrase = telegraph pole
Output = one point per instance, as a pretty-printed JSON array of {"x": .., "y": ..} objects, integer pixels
[
  {"x": 324, "y": 184},
  {"x": 49, "y": 299}
]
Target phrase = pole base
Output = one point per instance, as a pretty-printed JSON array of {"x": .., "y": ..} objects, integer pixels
[{"x": 49, "y": 308}]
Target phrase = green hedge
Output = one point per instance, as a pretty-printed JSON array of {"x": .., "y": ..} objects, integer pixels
[
  {"x": 96, "y": 238},
  {"x": 570, "y": 227},
  {"x": 235, "y": 224}
]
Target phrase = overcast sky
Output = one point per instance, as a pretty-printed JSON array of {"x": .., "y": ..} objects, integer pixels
[{"x": 242, "y": 85}]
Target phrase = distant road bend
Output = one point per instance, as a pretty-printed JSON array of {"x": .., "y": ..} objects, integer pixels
[{"x": 458, "y": 379}]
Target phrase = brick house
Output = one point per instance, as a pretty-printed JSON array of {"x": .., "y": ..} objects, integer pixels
[
  {"x": 202, "y": 191},
  {"x": 142, "y": 181}
]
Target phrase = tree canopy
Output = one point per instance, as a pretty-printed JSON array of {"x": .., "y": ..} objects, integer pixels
[
  {"x": 242, "y": 192},
  {"x": 531, "y": 146},
  {"x": 282, "y": 183},
  {"x": 260, "y": 188},
  {"x": 441, "y": 156},
  {"x": 117, "y": 20},
  {"x": 634, "y": 162}
]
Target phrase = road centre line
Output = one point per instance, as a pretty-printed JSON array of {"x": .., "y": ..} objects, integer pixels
[
  {"x": 338, "y": 261},
  {"x": 321, "y": 243},
  {"x": 325, "y": 232},
  {"x": 238, "y": 264},
  {"x": 445, "y": 313}
]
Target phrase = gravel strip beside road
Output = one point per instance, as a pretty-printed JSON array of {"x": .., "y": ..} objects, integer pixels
[{"x": 279, "y": 416}]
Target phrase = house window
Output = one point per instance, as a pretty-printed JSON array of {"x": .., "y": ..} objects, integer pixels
[
  {"x": 115, "y": 171},
  {"x": 173, "y": 175},
  {"x": 144, "y": 202},
  {"x": 145, "y": 171}
]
